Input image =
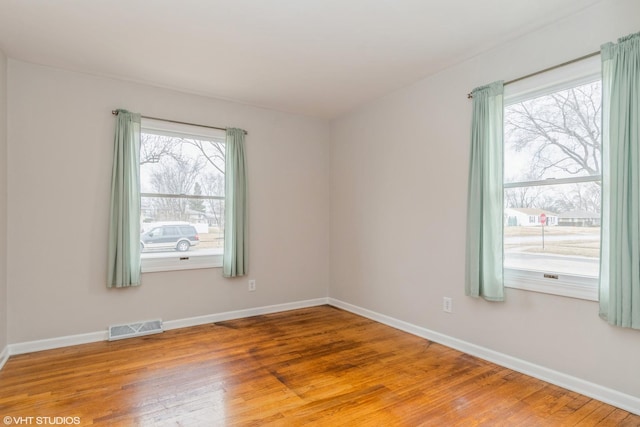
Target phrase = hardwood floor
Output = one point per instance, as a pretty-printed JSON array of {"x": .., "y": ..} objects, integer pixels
[{"x": 315, "y": 366}]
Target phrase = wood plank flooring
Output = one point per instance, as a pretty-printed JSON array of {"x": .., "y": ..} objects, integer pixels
[{"x": 317, "y": 366}]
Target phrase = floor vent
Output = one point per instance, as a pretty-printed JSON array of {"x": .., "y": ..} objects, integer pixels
[{"x": 118, "y": 332}]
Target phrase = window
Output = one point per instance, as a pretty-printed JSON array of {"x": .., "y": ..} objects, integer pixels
[
  {"x": 182, "y": 196},
  {"x": 552, "y": 188}
]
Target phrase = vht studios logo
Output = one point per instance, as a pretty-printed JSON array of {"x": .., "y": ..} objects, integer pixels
[{"x": 42, "y": 421}]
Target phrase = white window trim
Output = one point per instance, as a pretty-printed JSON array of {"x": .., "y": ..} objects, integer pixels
[
  {"x": 566, "y": 285},
  {"x": 180, "y": 261},
  {"x": 554, "y": 283},
  {"x": 176, "y": 261}
]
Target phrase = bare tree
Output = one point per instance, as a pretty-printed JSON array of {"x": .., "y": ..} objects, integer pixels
[
  {"x": 560, "y": 136},
  {"x": 183, "y": 165},
  {"x": 522, "y": 197},
  {"x": 213, "y": 184},
  {"x": 562, "y": 130},
  {"x": 582, "y": 197},
  {"x": 177, "y": 176},
  {"x": 197, "y": 204},
  {"x": 213, "y": 152},
  {"x": 154, "y": 147}
]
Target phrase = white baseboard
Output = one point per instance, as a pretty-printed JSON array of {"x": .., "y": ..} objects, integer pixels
[
  {"x": 621, "y": 400},
  {"x": 240, "y": 314},
  {"x": 51, "y": 343},
  {"x": 4, "y": 356}
]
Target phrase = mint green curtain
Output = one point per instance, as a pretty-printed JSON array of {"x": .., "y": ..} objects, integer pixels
[
  {"x": 485, "y": 209},
  {"x": 620, "y": 250},
  {"x": 235, "y": 260},
  {"x": 124, "y": 225}
]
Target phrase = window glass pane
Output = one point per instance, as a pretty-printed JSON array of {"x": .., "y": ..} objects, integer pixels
[
  {"x": 554, "y": 136},
  {"x": 569, "y": 240},
  {"x": 171, "y": 225},
  {"x": 182, "y": 207},
  {"x": 181, "y": 165}
]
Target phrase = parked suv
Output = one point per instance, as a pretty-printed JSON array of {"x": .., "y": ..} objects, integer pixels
[{"x": 179, "y": 237}]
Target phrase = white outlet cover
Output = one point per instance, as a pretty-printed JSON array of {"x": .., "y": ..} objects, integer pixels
[{"x": 447, "y": 304}]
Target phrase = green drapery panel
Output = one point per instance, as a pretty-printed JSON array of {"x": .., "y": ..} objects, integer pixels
[
  {"x": 124, "y": 225},
  {"x": 620, "y": 249},
  {"x": 235, "y": 261},
  {"x": 484, "y": 273}
]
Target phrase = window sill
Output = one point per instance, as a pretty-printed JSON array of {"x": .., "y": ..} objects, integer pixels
[
  {"x": 171, "y": 261},
  {"x": 581, "y": 287}
]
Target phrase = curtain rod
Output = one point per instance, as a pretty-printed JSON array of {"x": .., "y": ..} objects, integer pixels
[
  {"x": 469, "y": 95},
  {"x": 115, "y": 113}
]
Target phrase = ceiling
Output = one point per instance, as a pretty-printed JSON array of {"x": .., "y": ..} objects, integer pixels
[{"x": 314, "y": 57}]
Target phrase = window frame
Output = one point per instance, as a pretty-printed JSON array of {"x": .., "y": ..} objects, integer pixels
[
  {"x": 176, "y": 261},
  {"x": 566, "y": 285}
]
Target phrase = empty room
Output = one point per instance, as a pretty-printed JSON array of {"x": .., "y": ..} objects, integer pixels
[{"x": 305, "y": 212}]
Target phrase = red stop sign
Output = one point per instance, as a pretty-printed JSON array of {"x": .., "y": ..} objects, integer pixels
[{"x": 543, "y": 219}]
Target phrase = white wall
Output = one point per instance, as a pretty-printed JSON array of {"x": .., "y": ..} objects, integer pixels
[
  {"x": 3, "y": 201},
  {"x": 60, "y": 148},
  {"x": 399, "y": 185}
]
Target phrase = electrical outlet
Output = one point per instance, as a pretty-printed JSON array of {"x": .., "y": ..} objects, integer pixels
[
  {"x": 447, "y": 304},
  {"x": 252, "y": 285}
]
